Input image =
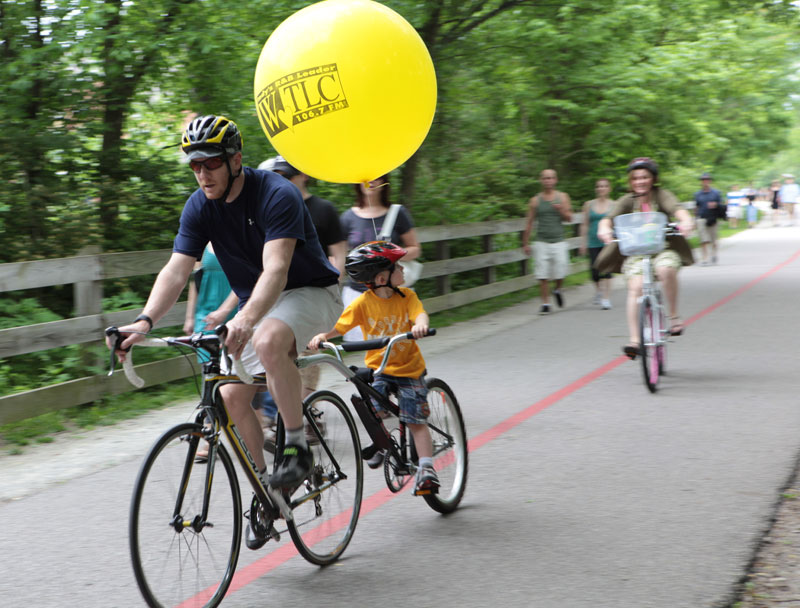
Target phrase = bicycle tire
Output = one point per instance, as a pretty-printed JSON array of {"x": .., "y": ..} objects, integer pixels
[
  {"x": 177, "y": 559},
  {"x": 450, "y": 453},
  {"x": 322, "y": 527},
  {"x": 648, "y": 341},
  {"x": 664, "y": 333}
]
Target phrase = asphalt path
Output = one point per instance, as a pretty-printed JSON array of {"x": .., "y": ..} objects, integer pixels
[{"x": 584, "y": 489}]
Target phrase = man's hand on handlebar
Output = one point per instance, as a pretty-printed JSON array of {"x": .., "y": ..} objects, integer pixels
[
  {"x": 131, "y": 334},
  {"x": 239, "y": 334}
]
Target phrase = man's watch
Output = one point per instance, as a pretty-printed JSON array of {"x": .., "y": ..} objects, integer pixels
[{"x": 144, "y": 317}]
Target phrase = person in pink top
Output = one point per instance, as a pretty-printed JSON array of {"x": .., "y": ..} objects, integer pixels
[{"x": 645, "y": 195}]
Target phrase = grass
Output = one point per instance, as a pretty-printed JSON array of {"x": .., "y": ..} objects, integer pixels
[
  {"x": 110, "y": 410},
  {"x": 16, "y": 436}
]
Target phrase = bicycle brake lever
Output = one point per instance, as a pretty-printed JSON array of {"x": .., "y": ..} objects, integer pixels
[{"x": 113, "y": 331}]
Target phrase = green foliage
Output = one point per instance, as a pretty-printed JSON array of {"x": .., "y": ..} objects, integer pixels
[{"x": 94, "y": 95}]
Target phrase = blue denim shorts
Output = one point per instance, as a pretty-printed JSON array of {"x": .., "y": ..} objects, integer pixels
[{"x": 412, "y": 396}]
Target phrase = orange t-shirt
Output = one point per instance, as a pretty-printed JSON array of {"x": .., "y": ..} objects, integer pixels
[{"x": 378, "y": 317}]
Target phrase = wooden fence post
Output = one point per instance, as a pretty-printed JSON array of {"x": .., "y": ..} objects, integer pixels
[
  {"x": 524, "y": 264},
  {"x": 88, "y": 300},
  {"x": 490, "y": 272},
  {"x": 442, "y": 253}
]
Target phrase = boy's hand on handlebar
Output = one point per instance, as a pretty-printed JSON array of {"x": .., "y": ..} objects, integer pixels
[
  {"x": 420, "y": 330},
  {"x": 316, "y": 341}
]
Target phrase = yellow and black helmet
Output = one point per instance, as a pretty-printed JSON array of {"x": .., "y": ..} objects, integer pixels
[{"x": 211, "y": 136}]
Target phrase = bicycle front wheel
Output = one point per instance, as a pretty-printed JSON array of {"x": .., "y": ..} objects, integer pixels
[
  {"x": 326, "y": 507},
  {"x": 449, "y": 437},
  {"x": 179, "y": 556},
  {"x": 649, "y": 340},
  {"x": 664, "y": 333}
]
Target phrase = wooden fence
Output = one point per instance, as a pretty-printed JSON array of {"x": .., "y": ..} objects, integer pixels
[{"x": 87, "y": 271}]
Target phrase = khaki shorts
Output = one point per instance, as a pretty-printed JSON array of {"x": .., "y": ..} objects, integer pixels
[
  {"x": 707, "y": 234},
  {"x": 552, "y": 260},
  {"x": 307, "y": 311},
  {"x": 666, "y": 259}
]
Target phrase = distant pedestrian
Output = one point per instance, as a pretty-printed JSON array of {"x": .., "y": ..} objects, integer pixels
[
  {"x": 736, "y": 198},
  {"x": 775, "y": 201},
  {"x": 708, "y": 203},
  {"x": 752, "y": 212},
  {"x": 790, "y": 195},
  {"x": 548, "y": 209},
  {"x": 593, "y": 211}
]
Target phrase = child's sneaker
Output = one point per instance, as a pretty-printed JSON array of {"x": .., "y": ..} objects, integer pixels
[
  {"x": 606, "y": 304},
  {"x": 545, "y": 309},
  {"x": 427, "y": 481},
  {"x": 559, "y": 298}
]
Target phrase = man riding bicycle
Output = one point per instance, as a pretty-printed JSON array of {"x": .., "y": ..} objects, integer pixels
[{"x": 266, "y": 243}]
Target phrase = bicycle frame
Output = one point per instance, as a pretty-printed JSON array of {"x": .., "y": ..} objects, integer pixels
[
  {"x": 376, "y": 429},
  {"x": 652, "y": 291}
]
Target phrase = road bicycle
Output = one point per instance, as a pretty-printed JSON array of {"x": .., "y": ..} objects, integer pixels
[
  {"x": 390, "y": 435},
  {"x": 644, "y": 234},
  {"x": 185, "y": 524}
]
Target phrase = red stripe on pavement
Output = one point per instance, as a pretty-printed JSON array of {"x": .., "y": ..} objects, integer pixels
[
  {"x": 284, "y": 553},
  {"x": 742, "y": 289}
]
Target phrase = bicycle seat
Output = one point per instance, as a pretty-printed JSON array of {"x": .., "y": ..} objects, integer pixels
[{"x": 363, "y": 373}]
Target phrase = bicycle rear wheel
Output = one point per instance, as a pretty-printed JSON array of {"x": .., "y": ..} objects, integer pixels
[
  {"x": 326, "y": 507},
  {"x": 649, "y": 344},
  {"x": 179, "y": 558},
  {"x": 450, "y": 456}
]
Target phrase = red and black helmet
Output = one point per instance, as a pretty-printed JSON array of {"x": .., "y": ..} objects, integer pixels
[
  {"x": 367, "y": 260},
  {"x": 644, "y": 162}
]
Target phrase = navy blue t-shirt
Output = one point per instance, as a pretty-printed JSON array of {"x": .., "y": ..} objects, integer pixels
[
  {"x": 702, "y": 198},
  {"x": 269, "y": 207}
]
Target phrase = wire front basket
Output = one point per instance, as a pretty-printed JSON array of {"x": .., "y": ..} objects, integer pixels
[{"x": 641, "y": 233}]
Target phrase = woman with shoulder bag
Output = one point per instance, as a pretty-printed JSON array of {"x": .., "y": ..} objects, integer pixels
[{"x": 369, "y": 220}]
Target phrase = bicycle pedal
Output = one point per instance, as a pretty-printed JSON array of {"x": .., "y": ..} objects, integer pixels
[
  {"x": 426, "y": 491},
  {"x": 277, "y": 498}
]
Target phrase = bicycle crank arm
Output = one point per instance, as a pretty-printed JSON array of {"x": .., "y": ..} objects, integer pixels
[{"x": 278, "y": 501}]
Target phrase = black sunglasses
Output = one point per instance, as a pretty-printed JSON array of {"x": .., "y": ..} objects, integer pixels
[{"x": 215, "y": 162}]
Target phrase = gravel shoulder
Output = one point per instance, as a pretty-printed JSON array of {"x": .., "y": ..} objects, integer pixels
[{"x": 773, "y": 578}]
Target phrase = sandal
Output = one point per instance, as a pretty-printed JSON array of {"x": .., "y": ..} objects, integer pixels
[
  {"x": 201, "y": 455},
  {"x": 676, "y": 329},
  {"x": 631, "y": 350}
]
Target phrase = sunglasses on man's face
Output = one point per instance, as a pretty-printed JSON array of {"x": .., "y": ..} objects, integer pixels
[{"x": 215, "y": 162}]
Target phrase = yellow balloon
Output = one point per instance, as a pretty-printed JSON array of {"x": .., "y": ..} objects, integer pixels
[{"x": 345, "y": 90}]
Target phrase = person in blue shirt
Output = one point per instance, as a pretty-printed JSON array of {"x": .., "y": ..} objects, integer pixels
[
  {"x": 708, "y": 203},
  {"x": 288, "y": 291}
]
